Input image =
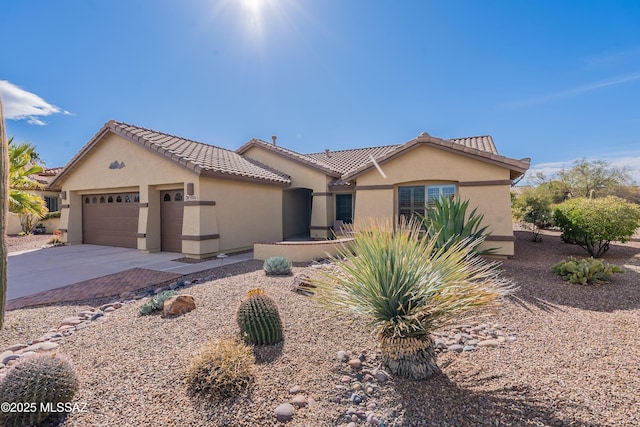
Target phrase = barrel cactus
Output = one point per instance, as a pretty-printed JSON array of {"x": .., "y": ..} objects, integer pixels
[
  {"x": 259, "y": 319},
  {"x": 277, "y": 266},
  {"x": 44, "y": 381}
]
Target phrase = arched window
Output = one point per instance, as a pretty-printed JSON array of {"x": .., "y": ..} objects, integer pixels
[
  {"x": 94, "y": 200},
  {"x": 178, "y": 197},
  {"x": 167, "y": 198},
  {"x": 119, "y": 199},
  {"x": 136, "y": 198},
  {"x": 110, "y": 199},
  {"x": 86, "y": 200},
  {"x": 102, "y": 199},
  {"x": 127, "y": 199}
]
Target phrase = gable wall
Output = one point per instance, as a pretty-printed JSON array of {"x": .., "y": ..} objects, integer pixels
[
  {"x": 424, "y": 165},
  {"x": 301, "y": 176}
]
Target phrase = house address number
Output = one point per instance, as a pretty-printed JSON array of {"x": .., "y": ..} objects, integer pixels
[{"x": 192, "y": 197}]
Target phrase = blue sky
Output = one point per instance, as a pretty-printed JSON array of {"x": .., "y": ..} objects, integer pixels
[{"x": 551, "y": 80}]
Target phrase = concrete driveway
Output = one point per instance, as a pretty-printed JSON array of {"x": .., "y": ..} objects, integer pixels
[{"x": 40, "y": 270}]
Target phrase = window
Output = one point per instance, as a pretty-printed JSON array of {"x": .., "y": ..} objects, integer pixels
[
  {"x": 86, "y": 200},
  {"x": 434, "y": 192},
  {"x": 178, "y": 197},
  {"x": 136, "y": 198},
  {"x": 344, "y": 208},
  {"x": 414, "y": 200},
  {"x": 166, "y": 198},
  {"x": 127, "y": 199},
  {"x": 110, "y": 199},
  {"x": 53, "y": 203},
  {"x": 411, "y": 201},
  {"x": 119, "y": 199},
  {"x": 102, "y": 199},
  {"x": 94, "y": 199}
]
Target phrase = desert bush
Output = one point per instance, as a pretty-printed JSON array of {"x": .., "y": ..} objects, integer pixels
[
  {"x": 448, "y": 225},
  {"x": 585, "y": 271},
  {"x": 156, "y": 302},
  {"x": 593, "y": 224},
  {"x": 405, "y": 288},
  {"x": 532, "y": 208},
  {"x": 221, "y": 368},
  {"x": 277, "y": 266},
  {"x": 38, "y": 379},
  {"x": 259, "y": 319}
]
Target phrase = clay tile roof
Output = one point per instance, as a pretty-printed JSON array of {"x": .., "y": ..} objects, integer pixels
[
  {"x": 347, "y": 160},
  {"x": 317, "y": 163},
  {"x": 482, "y": 143},
  {"x": 200, "y": 157}
]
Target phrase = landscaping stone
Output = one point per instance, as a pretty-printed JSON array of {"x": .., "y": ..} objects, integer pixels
[
  {"x": 178, "y": 305},
  {"x": 284, "y": 412},
  {"x": 299, "y": 401},
  {"x": 355, "y": 363},
  {"x": 42, "y": 346}
]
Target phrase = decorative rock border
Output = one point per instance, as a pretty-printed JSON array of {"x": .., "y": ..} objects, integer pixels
[{"x": 68, "y": 326}]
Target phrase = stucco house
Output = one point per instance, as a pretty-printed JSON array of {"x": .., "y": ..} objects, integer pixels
[
  {"x": 51, "y": 199},
  {"x": 139, "y": 188}
]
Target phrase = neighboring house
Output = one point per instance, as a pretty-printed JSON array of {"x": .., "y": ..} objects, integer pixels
[
  {"x": 51, "y": 198},
  {"x": 139, "y": 188}
]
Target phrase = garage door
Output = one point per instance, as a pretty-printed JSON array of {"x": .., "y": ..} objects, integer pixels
[
  {"x": 110, "y": 219},
  {"x": 171, "y": 212}
]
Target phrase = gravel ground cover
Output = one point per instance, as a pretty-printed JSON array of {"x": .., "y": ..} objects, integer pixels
[
  {"x": 575, "y": 361},
  {"x": 25, "y": 243}
]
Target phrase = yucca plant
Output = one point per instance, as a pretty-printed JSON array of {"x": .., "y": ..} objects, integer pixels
[
  {"x": 447, "y": 222},
  {"x": 406, "y": 288}
]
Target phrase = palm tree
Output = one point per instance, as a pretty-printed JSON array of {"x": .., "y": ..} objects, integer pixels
[
  {"x": 4, "y": 208},
  {"x": 406, "y": 288},
  {"x": 23, "y": 164}
]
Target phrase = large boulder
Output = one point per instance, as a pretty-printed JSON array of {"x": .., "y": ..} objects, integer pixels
[{"x": 178, "y": 305}]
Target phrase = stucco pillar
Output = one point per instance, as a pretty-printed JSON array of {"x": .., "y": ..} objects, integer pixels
[
  {"x": 149, "y": 239},
  {"x": 200, "y": 237},
  {"x": 321, "y": 215},
  {"x": 71, "y": 218}
]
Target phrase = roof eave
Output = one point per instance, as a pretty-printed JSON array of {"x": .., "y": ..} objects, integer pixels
[{"x": 273, "y": 149}]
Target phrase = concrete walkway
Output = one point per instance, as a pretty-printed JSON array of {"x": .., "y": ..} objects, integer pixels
[{"x": 34, "y": 272}]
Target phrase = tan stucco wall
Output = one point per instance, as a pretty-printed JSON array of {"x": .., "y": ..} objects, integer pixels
[
  {"x": 244, "y": 213},
  {"x": 300, "y": 251},
  {"x": 303, "y": 176},
  {"x": 428, "y": 165}
]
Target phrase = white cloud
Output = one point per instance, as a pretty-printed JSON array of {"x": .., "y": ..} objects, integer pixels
[
  {"x": 19, "y": 104},
  {"x": 575, "y": 91},
  {"x": 629, "y": 160}
]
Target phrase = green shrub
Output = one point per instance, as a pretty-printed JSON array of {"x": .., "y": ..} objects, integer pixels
[
  {"x": 156, "y": 302},
  {"x": 585, "y": 271},
  {"x": 221, "y": 368},
  {"x": 593, "y": 224},
  {"x": 38, "y": 379},
  {"x": 448, "y": 225},
  {"x": 405, "y": 289},
  {"x": 277, "y": 266},
  {"x": 259, "y": 319},
  {"x": 533, "y": 209}
]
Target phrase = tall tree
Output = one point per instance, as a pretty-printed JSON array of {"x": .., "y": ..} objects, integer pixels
[
  {"x": 596, "y": 178},
  {"x": 4, "y": 209}
]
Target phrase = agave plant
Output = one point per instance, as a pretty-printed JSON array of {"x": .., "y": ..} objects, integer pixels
[
  {"x": 446, "y": 222},
  {"x": 406, "y": 288}
]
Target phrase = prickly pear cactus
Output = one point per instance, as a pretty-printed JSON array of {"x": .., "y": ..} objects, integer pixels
[
  {"x": 259, "y": 319},
  {"x": 277, "y": 266},
  {"x": 41, "y": 380}
]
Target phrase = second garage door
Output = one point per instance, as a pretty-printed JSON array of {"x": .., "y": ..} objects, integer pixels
[
  {"x": 110, "y": 219},
  {"x": 171, "y": 213}
]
